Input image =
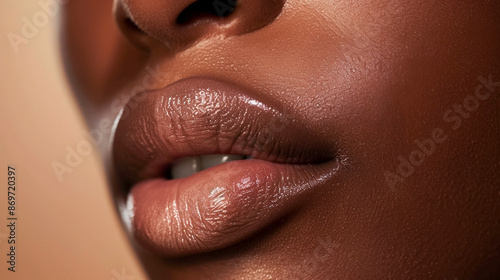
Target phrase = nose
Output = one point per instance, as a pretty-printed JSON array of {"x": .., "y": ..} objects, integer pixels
[{"x": 181, "y": 23}]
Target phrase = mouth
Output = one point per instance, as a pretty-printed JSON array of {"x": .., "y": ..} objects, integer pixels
[{"x": 205, "y": 164}]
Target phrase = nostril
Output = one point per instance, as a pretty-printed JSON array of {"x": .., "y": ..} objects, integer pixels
[{"x": 206, "y": 9}]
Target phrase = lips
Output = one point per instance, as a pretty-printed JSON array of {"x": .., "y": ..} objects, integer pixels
[{"x": 277, "y": 160}]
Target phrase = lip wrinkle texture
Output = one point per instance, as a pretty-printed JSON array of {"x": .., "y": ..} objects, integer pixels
[
  {"x": 195, "y": 125},
  {"x": 219, "y": 206}
]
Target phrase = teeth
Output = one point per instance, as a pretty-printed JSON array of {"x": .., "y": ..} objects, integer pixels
[
  {"x": 185, "y": 167},
  {"x": 189, "y": 166},
  {"x": 213, "y": 160}
]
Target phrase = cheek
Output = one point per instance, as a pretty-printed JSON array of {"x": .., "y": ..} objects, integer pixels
[{"x": 384, "y": 74}]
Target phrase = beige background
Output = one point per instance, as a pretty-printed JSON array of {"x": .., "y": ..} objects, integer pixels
[{"x": 65, "y": 230}]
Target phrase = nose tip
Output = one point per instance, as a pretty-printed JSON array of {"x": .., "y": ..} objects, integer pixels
[{"x": 181, "y": 23}]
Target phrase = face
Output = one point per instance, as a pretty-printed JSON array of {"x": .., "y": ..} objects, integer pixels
[{"x": 297, "y": 139}]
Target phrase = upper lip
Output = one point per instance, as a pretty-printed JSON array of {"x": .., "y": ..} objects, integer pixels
[{"x": 199, "y": 116}]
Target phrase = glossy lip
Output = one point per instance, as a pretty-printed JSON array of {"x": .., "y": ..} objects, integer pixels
[{"x": 225, "y": 204}]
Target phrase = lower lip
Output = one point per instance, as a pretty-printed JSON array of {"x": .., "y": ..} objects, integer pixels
[{"x": 220, "y": 206}]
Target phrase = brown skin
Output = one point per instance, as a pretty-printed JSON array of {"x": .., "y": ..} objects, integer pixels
[{"x": 372, "y": 76}]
